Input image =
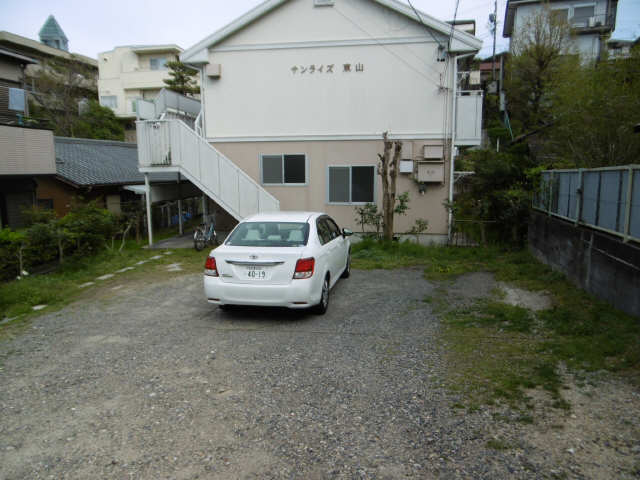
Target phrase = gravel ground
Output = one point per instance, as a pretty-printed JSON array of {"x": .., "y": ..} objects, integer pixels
[{"x": 150, "y": 381}]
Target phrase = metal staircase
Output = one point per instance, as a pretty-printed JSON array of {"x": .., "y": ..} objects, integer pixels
[{"x": 172, "y": 146}]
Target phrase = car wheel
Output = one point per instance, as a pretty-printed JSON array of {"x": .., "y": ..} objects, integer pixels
[
  {"x": 321, "y": 308},
  {"x": 347, "y": 269},
  {"x": 226, "y": 307}
]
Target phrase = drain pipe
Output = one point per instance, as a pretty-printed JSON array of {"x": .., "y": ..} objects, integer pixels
[{"x": 454, "y": 104}]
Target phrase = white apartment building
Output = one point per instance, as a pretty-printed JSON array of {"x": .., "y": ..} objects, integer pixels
[
  {"x": 129, "y": 73},
  {"x": 591, "y": 21},
  {"x": 296, "y": 95}
]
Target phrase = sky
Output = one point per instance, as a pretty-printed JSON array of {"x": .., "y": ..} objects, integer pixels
[{"x": 93, "y": 27}]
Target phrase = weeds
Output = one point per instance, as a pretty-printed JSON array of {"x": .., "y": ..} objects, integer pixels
[{"x": 498, "y": 351}]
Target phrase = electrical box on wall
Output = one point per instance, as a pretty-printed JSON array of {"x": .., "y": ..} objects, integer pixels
[
  {"x": 430, "y": 172},
  {"x": 406, "y": 166},
  {"x": 433, "y": 152},
  {"x": 407, "y": 151}
]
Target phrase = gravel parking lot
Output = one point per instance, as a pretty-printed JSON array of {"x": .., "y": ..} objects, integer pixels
[{"x": 150, "y": 381}]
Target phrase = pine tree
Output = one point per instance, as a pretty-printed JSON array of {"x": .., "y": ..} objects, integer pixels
[{"x": 183, "y": 79}]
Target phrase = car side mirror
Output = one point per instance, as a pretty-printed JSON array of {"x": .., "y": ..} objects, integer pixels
[{"x": 346, "y": 232}]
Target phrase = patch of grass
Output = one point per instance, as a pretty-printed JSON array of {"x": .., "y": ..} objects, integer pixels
[
  {"x": 498, "y": 444},
  {"x": 59, "y": 288},
  {"x": 497, "y": 351}
]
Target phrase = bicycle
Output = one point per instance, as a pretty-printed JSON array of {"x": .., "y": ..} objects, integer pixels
[{"x": 205, "y": 234}]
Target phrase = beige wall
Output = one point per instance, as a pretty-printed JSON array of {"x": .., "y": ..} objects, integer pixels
[
  {"x": 10, "y": 71},
  {"x": 26, "y": 151},
  {"x": 320, "y": 155}
]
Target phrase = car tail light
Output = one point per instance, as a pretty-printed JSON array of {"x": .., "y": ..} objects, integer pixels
[
  {"x": 210, "y": 267},
  {"x": 304, "y": 268}
]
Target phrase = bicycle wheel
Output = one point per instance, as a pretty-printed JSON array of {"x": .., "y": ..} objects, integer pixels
[{"x": 198, "y": 240}]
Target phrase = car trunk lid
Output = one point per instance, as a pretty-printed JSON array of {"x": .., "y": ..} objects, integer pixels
[{"x": 266, "y": 266}]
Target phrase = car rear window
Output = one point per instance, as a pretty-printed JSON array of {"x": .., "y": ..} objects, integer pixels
[{"x": 269, "y": 234}]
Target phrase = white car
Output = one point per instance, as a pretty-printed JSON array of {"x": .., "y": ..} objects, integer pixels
[{"x": 280, "y": 259}]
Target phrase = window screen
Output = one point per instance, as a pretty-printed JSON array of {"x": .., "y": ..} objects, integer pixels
[
  {"x": 158, "y": 63},
  {"x": 582, "y": 14},
  {"x": 362, "y": 184},
  {"x": 339, "y": 184},
  {"x": 294, "y": 169},
  {"x": 272, "y": 169},
  {"x": 110, "y": 101}
]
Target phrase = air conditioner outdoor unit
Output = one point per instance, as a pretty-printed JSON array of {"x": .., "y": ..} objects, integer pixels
[{"x": 406, "y": 166}]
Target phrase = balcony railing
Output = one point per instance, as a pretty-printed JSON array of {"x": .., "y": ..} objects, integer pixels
[{"x": 594, "y": 22}]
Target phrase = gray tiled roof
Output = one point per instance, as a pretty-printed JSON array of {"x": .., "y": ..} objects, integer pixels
[{"x": 101, "y": 162}]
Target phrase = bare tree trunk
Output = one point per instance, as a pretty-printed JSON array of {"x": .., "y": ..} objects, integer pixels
[
  {"x": 388, "y": 171},
  {"x": 124, "y": 235}
]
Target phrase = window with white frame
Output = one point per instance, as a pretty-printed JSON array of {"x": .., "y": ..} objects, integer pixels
[
  {"x": 351, "y": 184},
  {"x": 284, "y": 169},
  {"x": 110, "y": 101},
  {"x": 158, "y": 63}
]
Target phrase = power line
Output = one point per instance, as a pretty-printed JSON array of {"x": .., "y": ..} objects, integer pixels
[
  {"x": 423, "y": 24},
  {"x": 393, "y": 53}
]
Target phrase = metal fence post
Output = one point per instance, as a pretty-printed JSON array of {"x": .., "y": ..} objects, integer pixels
[
  {"x": 551, "y": 179},
  {"x": 579, "y": 194},
  {"x": 627, "y": 211}
]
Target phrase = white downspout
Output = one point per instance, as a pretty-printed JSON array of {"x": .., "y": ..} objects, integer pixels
[{"x": 454, "y": 105}]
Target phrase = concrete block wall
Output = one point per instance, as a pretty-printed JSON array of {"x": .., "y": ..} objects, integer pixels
[{"x": 600, "y": 263}]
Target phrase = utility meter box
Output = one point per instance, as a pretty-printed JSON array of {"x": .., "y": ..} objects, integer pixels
[{"x": 431, "y": 172}]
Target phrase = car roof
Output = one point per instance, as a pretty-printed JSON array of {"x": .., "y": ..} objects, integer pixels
[{"x": 282, "y": 216}]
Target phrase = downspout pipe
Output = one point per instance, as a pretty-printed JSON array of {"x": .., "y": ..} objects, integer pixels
[{"x": 454, "y": 104}]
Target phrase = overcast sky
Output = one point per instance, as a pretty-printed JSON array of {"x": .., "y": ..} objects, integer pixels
[{"x": 94, "y": 27}]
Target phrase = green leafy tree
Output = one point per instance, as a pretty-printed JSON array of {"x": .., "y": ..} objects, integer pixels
[
  {"x": 98, "y": 122},
  {"x": 596, "y": 107},
  {"x": 183, "y": 79},
  {"x": 539, "y": 56},
  {"x": 60, "y": 86}
]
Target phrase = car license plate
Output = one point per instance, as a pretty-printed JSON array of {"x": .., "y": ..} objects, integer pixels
[{"x": 256, "y": 273}]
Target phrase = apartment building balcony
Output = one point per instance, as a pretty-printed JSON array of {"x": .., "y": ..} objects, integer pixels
[
  {"x": 144, "y": 79},
  {"x": 593, "y": 24}
]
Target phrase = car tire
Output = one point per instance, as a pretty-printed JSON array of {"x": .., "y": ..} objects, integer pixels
[
  {"x": 321, "y": 308},
  {"x": 347, "y": 269},
  {"x": 226, "y": 307}
]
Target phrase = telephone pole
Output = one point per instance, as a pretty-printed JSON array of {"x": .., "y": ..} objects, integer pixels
[{"x": 494, "y": 21}]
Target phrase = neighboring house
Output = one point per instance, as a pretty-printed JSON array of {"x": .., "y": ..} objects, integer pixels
[
  {"x": 296, "y": 96},
  {"x": 31, "y": 57},
  {"x": 621, "y": 48},
  {"x": 38, "y": 169},
  {"x": 42, "y": 52},
  {"x": 132, "y": 73},
  {"x": 592, "y": 21},
  {"x": 13, "y": 94},
  {"x": 25, "y": 155}
]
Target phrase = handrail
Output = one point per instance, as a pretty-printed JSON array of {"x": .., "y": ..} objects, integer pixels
[{"x": 172, "y": 143}]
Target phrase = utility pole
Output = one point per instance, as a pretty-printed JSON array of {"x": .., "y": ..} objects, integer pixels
[{"x": 494, "y": 21}]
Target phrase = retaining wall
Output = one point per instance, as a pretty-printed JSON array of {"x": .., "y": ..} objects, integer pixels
[{"x": 602, "y": 264}]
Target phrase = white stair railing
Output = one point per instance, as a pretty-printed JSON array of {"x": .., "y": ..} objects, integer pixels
[{"x": 164, "y": 144}]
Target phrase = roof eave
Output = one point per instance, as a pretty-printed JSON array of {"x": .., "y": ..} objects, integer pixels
[{"x": 194, "y": 54}]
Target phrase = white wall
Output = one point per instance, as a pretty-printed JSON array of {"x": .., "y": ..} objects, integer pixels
[{"x": 259, "y": 96}]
